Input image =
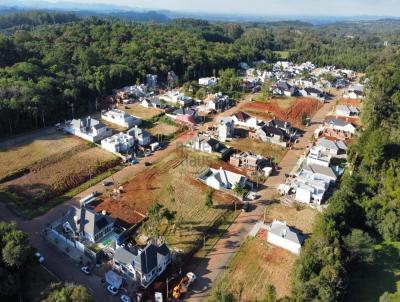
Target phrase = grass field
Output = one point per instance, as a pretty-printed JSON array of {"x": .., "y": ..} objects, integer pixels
[
  {"x": 369, "y": 282},
  {"x": 163, "y": 129},
  {"x": 142, "y": 112},
  {"x": 282, "y": 54},
  {"x": 259, "y": 147},
  {"x": 258, "y": 264},
  {"x": 30, "y": 152},
  {"x": 180, "y": 171}
]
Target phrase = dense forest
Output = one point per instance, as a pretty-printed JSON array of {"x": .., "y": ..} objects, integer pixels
[
  {"x": 62, "y": 61},
  {"x": 366, "y": 207}
]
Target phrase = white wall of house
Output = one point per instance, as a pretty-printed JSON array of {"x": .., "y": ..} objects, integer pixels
[{"x": 284, "y": 243}]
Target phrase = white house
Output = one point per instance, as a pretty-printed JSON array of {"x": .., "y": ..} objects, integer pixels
[
  {"x": 332, "y": 147},
  {"x": 141, "y": 136},
  {"x": 318, "y": 156},
  {"x": 226, "y": 129},
  {"x": 354, "y": 91},
  {"x": 120, "y": 118},
  {"x": 280, "y": 234},
  {"x": 87, "y": 128},
  {"x": 222, "y": 179},
  {"x": 339, "y": 126},
  {"x": 174, "y": 96},
  {"x": 348, "y": 111},
  {"x": 118, "y": 143},
  {"x": 208, "y": 82},
  {"x": 244, "y": 120},
  {"x": 142, "y": 265}
]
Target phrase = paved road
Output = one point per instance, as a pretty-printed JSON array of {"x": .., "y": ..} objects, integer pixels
[
  {"x": 62, "y": 266},
  {"x": 208, "y": 269}
]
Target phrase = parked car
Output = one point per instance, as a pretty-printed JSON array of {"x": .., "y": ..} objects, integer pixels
[
  {"x": 246, "y": 207},
  {"x": 85, "y": 270},
  {"x": 112, "y": 290},
  {"x": 125, "y": 298},
  {"x": 107, "y": 183},
  {"x": 39, "y": 257}
]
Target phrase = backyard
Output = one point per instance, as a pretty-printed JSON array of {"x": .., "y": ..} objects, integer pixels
[
  {"x": 142, "y": 112},
  {"x": 171, "y": 183}
]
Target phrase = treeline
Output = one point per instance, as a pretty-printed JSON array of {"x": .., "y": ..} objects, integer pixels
[
  {"x": 51, "y": 70},
  {"x": 366, "y": 208},
  {"x": 34, "y": 18}
]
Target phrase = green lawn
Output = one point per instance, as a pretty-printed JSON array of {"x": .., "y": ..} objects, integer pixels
[
  {"x": 284, "y": 54},
  {"x": 369, "y": 282}
]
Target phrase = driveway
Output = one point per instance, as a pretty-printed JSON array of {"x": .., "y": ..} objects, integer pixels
[{"x": 208, "y": 269}]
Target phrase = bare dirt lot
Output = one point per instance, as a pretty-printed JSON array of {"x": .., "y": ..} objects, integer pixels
[
  {"x": 30, "y": 152},
  {"x": 163, "y": 129},
  {"x": 259, "y": 148},
  {"x": 289, "y": 111},
  {"x": 350, "y": 102},
  {"x": 179, "y": 172}
]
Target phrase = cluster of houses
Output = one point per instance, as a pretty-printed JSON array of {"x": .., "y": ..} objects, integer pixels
[
  {"x": 142, "y": 264},
  {"x": 95, "y": 131}
]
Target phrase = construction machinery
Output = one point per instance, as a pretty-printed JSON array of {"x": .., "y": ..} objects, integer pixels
[{"x": 183, "y": 285}]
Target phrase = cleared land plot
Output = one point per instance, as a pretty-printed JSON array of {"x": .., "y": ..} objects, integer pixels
[
  {"x": 370, "y": 281},
  {"x": 258, "y": 147},
  {"x": 179, "y": 171},
  {"x": 142, "y": 112},
  {"x": 255, "y": 266},
  {"x": 350, "y": 102},
  {"x": 258, "y": 264},
  {"x": 56, "y": 175},
  {"x": 287, "y": 112},
  {"x": 163, "y": 129},
  {"x": 30, "y": 152}
]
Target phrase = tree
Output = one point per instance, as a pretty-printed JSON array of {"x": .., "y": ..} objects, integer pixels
[
  {"x": 304, "y": 119},
  {"x": 239, "y": 190},
  {"x": 70, "y": 293},
  {"x": 209, "y": 199},
  {"x": 359, "y": 246},
  {"x": 265, "y": 91}
]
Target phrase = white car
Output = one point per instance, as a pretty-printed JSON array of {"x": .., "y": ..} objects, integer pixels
[
  {"x": 39, "y": 257},
  {"x": 85, "y": 270},
  {"x": 112, "y": 290},
  {"x": 125, "y": 298}
]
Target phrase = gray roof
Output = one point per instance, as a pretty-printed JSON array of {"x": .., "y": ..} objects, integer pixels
[
  {"x": 333, "y": 145},
  {"x": 146, "y": 261},
  {"x": 280, "y": 124},
  {"x": 351, "y": 109},
  {"x": 281, "y": 229},
  {"x": 318, "y": 169},
  {"x": 272, "y": 130},
  {"x": 124, "y": 256},
  {"x": 335, "y": 121},
  {"x": 87, "y": 220}
]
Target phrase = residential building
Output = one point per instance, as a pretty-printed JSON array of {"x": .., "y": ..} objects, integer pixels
[
  {"x": 284, "y": 88},
  {"x": 118, "y": 143},
  {"x": 218, "y": 102},
  {"x": 208, "y": 82},
  {"x": 120, "y": 118},
  {"x": 312, "y": 92},
  {"x": 347, "y": 111},
  {"x": 151, "y": 81},
  {"x": 272, "y": 135},
  {"x": 338, "y": 128},
  {"x": 141, "y": 136},
  {"x": 174, "y": 96},
  {"x": 249, "y": 161},
  {"x": 285, "y": 126},
  {"x": 332, "y": 147},
  {"x": 86, "y": 224},
  {"x": 244, "y": 120},
  {"x": 143, "y": 265},
  {"x": 354, "y": 91},
  {"x": 220, "y": 179},
  {"x": 226, "y": 129},
  {"x": 319, "y": 157},
  {"x": 280, "y": 234},
  {"x": 87, "y": 128}
]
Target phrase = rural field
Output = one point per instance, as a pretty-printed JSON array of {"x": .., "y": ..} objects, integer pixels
[
  {"x": 28, "y": 152},
  {"x": 289, "y": 109},
  {"x": 258, "y": 264},
  {"x": 142, "y": 112},
  {"x": 171, "y": 183},
  {"x": 58, "y": 164}
]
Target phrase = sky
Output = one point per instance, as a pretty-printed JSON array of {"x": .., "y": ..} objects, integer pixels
[{"x": 267, "y": 7}]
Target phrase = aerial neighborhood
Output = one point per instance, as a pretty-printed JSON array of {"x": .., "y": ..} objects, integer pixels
[{"x": 203, "y": 180}]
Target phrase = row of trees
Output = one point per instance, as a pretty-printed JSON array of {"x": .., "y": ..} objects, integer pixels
[{"x": 366, "y": 208}]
